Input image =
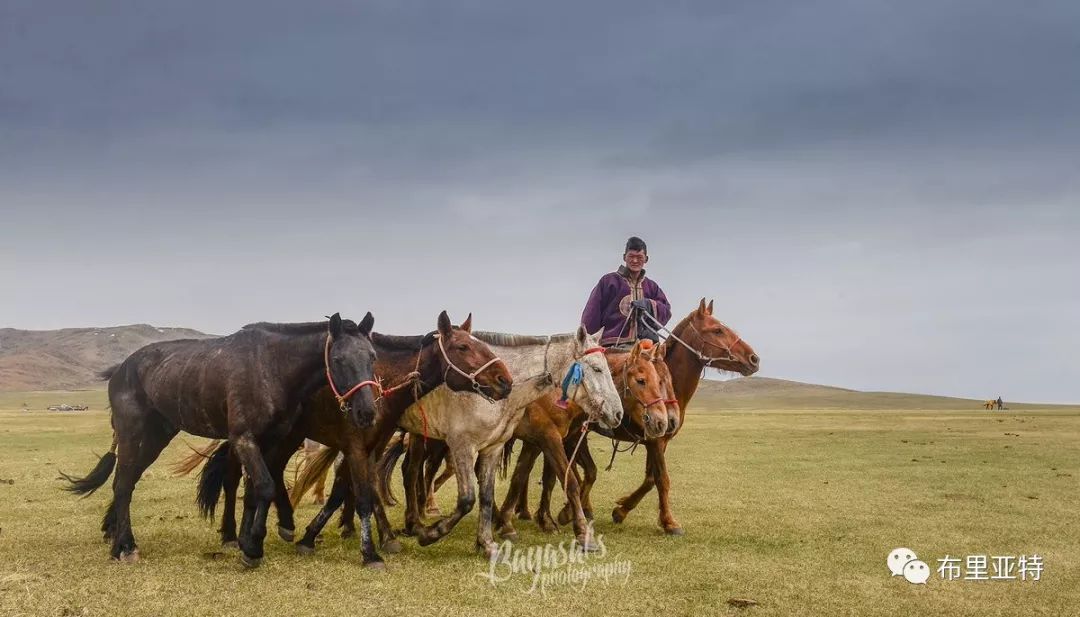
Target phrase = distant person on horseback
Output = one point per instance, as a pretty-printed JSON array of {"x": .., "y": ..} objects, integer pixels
[{"x": 621, "y": 298}]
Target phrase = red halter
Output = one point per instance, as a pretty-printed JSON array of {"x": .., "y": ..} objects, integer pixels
[{"x": 343, "y": 398}]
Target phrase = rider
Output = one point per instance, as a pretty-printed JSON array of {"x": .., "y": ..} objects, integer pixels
[{"x": 621, "y": 297}]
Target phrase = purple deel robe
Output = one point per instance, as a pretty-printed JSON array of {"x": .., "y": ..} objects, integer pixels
[{"x": 609, "y": 305}]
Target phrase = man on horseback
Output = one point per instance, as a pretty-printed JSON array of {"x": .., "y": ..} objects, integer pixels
[{"x": 622, "y": 298}]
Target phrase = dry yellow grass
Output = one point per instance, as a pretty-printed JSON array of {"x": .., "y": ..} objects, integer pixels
[{"x": 796, "y": 509}]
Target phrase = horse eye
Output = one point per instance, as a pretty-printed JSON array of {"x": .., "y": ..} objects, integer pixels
[
  {"x": 640, "y": 381},
  {"x": 597, "y": 369},
  {"x": 463, "y": 348}
]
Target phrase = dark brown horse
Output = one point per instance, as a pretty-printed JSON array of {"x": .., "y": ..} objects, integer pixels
[
  {"x": 697, "y": 342},
  {"x": 246, "y": 387},
  {"x": 416, "y": 364}
]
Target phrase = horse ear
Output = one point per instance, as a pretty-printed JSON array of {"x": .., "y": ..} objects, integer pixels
[
  {"x": 709, "y": 308},
  {"x": 335, "y": 325},
  {"x": 701, "y": 308},
  {"x": 467, "y": 324},
  {"x": 635, "y": 352},
  {"x": 367, "y": 324},
  {"x": 444, "y": 325}
]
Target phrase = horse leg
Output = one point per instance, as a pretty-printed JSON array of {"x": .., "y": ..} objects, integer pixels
[
  {"x": 286, "y": 525},
  {"x": 544, "y": 519},
  {"x": 339, "y": 492},
  {"x": 521, "y": 507},
  {"x": 624, "y": 505},
  {"x": 487, "y": 464},
  {"x": 518, "y": 483},
  {"x": 435, "y": 457},
  {"x": 663, "y": 487},
  {"x": 228, "y": 515},
  {"x": 356, "y": 457},
  {"x": 462, "y": 457},
  {"x": 560, "y": 465},
  {"x": 588, "y": 466},
  {"x": 411, "y": 469},
  {"x": 258, "y": 494},
  {"x": 347, "y": 521},
  {"x": 141, "y": 441},
  {"x": 388, "y": 541}
]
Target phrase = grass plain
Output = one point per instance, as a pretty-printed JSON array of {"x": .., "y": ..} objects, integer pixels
[{"x": 792, "y": 506}]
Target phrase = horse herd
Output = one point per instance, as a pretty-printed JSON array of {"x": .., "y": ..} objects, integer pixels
[{"x": 454, "y": 395}]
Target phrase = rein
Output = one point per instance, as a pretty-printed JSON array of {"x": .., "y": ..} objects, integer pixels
[
  {"x": 343, "y": 399},
  {"x": 470, "y": 376},
  {"x": 705, "y": 360}
]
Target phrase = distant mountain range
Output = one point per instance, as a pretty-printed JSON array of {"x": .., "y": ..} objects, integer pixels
[{"x": 70, "y": 359}]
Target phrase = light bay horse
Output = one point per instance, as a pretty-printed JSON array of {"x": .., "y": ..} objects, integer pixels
[{"x": 475, "y": 429}]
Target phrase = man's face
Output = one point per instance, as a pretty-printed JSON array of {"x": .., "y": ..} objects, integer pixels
[{"x": 635, "y": 260}]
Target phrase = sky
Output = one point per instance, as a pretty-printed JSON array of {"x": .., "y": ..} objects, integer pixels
[{"x": 878, "y": 195}]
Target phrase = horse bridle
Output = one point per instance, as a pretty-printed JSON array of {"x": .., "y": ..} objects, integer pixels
[
  {"x": 470, "y": 376},
  {"x": 705, "y": 360},
  {"x": 343, "y": 399}
]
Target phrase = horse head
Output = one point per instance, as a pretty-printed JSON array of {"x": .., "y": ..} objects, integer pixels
[
  {"x": 350, "y": 367},
  {"x": 468, "y": 363},
  {"x": 597, "y": 395}
]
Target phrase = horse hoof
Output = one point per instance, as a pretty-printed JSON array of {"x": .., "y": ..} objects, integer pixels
[
  {"x": 524, "y": 515},
  {"x": 618, "y": 515},
  {"x": 674, "y": 531},
  {"x": 433, "y": 512},
  {"x": 425, "y": 539},
  {"x": 375, "y": 565},
  {"x": 565, "y": 517},
  {"x": 304, "y": 549},
  {"x": 392, "y": 546},
  {"x": 510, "y": 534},
  {"x": 250, "y": 562},
  {"x": 588, "y": 546},
  {"x": 129, "y": 557},
  {"x": 588, "y": 515},
  {"x": 348, "y": 532},
  {"x": 230, "y": 545},
  {"x": 286, "y": 534},
  {"x": 488, "y": 550}
]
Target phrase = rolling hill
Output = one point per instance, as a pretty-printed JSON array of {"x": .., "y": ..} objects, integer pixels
[{"x": 70, "y": 359}]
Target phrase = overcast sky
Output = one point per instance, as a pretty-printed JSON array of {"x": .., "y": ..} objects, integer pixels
[{"x": 878, "y": 195}]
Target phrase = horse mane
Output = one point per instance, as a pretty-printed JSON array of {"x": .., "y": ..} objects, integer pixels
[
  {"x": 519, "y": 340},
  {"x": 402, "y": 343},
  {"x": 309, "y": 327}
]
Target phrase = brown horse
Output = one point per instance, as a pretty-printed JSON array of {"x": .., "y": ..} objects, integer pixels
[
  {"x": 696, "y": 342},
  {"x": 546, "y": 424},
  {"x": 417, "y": 364},
  {"x": 247, "y": 387}
]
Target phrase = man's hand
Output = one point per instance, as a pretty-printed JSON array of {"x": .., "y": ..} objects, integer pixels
[{"x": 645, "y": 306}]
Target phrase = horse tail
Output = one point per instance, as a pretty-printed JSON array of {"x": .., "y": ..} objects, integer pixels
[
  {"x": 316, "y": 467},
  {"x": 192, "y": 461},
  {"x": 212, "y": 476},
  {"x": 393, "y": 451},
  {"x": 107, "y": 374},
  {"x": 98, "y": 475},
  {"x": 504, "y": 462}
]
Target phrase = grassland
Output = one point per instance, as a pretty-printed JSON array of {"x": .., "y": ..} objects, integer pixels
[{"x": 793, "y": 507}]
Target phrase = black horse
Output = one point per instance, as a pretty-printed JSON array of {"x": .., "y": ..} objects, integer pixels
[{"x": 247, "y": 388}]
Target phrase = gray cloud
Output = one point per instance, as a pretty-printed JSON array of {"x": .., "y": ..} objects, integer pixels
[{"x": 878, "y": 195}]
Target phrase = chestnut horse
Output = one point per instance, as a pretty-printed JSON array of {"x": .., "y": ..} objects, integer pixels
[
  {"x": 696, "y": 342},
  {"x": 246, "y": 387},
  {"x": 417, "y": 364},
  {"x": 546, "y": 424}
]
